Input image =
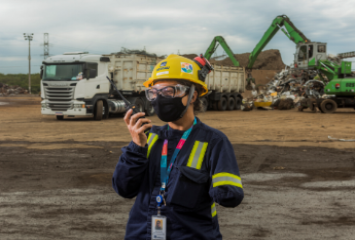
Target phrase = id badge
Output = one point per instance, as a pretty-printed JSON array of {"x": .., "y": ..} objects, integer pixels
[{"x": 158, "y": 227}]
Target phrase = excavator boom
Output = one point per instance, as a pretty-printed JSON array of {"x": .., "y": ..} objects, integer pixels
[
  {"x": 213, "y": 46},
  {"x": 291, "y": 32},
  {"x": 287, "y": 27}
]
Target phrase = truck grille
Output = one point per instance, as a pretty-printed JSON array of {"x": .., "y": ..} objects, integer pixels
[{"x": 60, "y": 98}]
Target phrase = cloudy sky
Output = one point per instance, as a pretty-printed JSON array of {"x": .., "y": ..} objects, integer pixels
[{"x": 164, "y": 27}]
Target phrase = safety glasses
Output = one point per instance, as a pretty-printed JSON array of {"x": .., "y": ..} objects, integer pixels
[{"x": 166, "y": 91}]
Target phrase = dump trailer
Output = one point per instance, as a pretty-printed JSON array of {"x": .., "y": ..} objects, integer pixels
[
  {"x": 75, "y": 84},
  {"x": 225, "y": 87}
]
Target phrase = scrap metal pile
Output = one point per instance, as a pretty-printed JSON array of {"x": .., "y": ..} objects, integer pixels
[
  {"x": 288, "y": 89},
  {"x": 6, "y": 90},
  {"x": 138, "y": 52},
  {"x": 295, "y": 88}
]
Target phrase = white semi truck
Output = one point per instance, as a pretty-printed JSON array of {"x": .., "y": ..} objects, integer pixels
[{"x": 75, "y": 84}]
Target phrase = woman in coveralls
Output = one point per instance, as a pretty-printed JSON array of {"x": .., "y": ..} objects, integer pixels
[{"x": 180, "y": 171}]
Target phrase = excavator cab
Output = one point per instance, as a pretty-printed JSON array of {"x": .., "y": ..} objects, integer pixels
[{"x": 308, "y": 54}]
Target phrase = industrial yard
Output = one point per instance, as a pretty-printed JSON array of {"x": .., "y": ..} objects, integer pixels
[
  {"x": 55, "y": 176},
  {"x": 280, "y": 86}
]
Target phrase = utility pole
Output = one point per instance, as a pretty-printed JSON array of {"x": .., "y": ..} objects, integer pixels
[
  {"x": 45, "y": 45},
  {"x": 29, "y": 37}
]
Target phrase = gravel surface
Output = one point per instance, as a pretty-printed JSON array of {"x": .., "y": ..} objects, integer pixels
[{"x": 55, "y": 176}]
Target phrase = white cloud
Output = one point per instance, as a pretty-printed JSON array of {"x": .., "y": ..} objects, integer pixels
[
  {"x": 13, "y": 59},
  {"x": 165, "y": 27}
]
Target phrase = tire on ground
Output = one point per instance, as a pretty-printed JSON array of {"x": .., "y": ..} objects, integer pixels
[
  {"x": 98, "y": 110},
  {"x": 106, "y": 110},
  {"x": 286, "y": 104},
  {"x": 276, "y": 103},
  {"x": 222, "y": 104},
  {"x": 328, "y": 106},
  {"x": 319, "y": 102},
  {"x": 238, "y": 103},
  {"x": 289, "y": 104},
  {"x": 231, "y": 104},
  {"x": 204, "y": 103},
  {"x": 60, "y": 117}
]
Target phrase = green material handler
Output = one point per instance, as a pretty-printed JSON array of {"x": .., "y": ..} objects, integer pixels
[{"x": 313, "y": 56}]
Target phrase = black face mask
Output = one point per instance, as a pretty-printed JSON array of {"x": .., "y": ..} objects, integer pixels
[
  {"x": 168, "y": 109},
  {"x": 171, "y": 109}
]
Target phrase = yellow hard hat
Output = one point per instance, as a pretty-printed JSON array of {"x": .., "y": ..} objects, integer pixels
[{"x": 175, "y": 67}]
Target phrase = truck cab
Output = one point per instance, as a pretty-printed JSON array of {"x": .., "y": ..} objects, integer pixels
[
  {"x": 309, "y": 53},
  {"x": 70, "y": 78}
]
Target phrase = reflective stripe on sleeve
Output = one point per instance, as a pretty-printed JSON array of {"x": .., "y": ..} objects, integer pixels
[
  {"x": 197, "y": 154},
  {"x": 213, "y": 210},
  {"x": 223, "y": 178},
  {"x": 152, "y": 138}
]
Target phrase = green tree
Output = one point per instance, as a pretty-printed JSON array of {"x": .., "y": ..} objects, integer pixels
[{"x": 22, "y": 81}]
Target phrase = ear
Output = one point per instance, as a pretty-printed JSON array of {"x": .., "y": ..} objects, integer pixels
[{"x": 194, "y": 97}]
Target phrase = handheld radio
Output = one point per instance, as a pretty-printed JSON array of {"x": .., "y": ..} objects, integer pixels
[{"x": 128, "y": 105}]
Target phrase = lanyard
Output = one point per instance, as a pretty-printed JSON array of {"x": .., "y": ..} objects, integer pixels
[{"x": 164, "y": 172}]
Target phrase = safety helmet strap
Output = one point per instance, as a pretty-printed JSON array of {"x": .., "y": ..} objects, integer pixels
[{"x": 191, "y": 94}]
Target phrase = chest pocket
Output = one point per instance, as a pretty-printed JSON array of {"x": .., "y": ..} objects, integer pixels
[
  {"x": 197, "y": 155},
  {"x": 191, "y": 186}
]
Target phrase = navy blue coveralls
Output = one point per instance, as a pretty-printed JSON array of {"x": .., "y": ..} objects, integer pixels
[{"x": 205, "y": 172}]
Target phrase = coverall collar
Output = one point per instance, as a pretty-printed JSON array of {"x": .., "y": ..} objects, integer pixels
[{"x": 162, "y": 132}]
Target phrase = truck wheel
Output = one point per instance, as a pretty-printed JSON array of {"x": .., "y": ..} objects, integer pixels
[
  {"x": 222, "y": 104},
  {"x": 329, "y": 106},
  {"x": 231, "y": 104},
  {"x": 238, "y": 103},
  {"x": 105, "y": 110},
  {"x": 98, "y": 110},
  {"x": 204, "y": 104},
  {"x": 149, "y": 110},
  {"x": 60, "y": 117},
  {"x": 319, "y": 102}
]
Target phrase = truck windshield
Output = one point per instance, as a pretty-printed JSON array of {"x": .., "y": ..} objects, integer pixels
[{"x": 60, "y": 72}]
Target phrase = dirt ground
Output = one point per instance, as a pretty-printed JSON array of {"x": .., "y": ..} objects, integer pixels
[{"x": 55, "y": 176}]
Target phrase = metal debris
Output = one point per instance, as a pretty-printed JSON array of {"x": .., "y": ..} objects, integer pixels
[
  {"x": 342, "y": 140},
  {"x": 6, "y": 90}
]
